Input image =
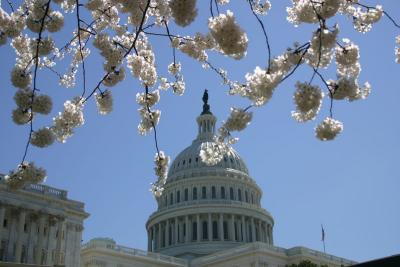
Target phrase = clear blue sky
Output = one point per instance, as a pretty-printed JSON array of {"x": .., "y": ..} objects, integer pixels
[{"x": 350, "y": 185}]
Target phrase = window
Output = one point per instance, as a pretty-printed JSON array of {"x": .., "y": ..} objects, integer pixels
[
  {"x": 194, "y": 193},
  {"x": 178, "y": 196},
  {"x": 239, "y": 195},
  {"x": 215, "y": 230},
  {"x": 223, "y": 192},
  {"x": 213, "y": 192},
  {"x": 25, "y": 228},
  {"x": 194, "y": 231},
  {"x": 5, "y": 223},
  {"x": 186, "y": 194},
  {"x": 231, "y": 196},
  {"x": 205, "y": 230},
  {"x": 246, "y": 196},
  {"x": 171, "y": 198},
  {"x": 252, "y": 198},
  {"x": 203, "y": 192}
]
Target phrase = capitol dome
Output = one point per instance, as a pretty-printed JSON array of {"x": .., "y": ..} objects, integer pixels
[{"x": 204, "y": 209}]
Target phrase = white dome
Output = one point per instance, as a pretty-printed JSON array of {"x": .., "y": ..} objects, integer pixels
[{"x": 189, "y": 159}]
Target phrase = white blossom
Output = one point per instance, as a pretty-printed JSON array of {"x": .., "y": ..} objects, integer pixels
[
  {"x": 363, "y": 20},
  {"x": 149, "y": 119},
  {"x": 305, "y": 11},
  {"x": 68, "y": 120},
  {"x": 260, "y": 86},
  {"x": 114, "y": 77},
  {"x": 348, "y": 88},
  {"x": 104, "y": 102},
  {"x": 320, "y": 52},
  {"x": 231, "y": 39},
  {"x": 308, "y": 101},
  {"x": 211, "y": 153},
  {"x": 238, "y": 119},
  {"x": 55, "y": 21},
  {"x": 149, "y": 99},
  {"x": 25, "y": 173},
  {"x": 347, "y": 59},
  {"x": 174, "y": 68},
  {"x": 261, "y": 7},
  {"x": 20, "y": 77},
  {"x": 178, "y": 87},
  {"x": 161, "y": 162},
  {"x": 42, "y": 104},
  {"x": 23, "y": 98},
  {"x": 328, "y": 129},
  {"x": 21, "y": 116},
  {"x": 43, "y": 137},
  {"x": 183, "y": 11}
]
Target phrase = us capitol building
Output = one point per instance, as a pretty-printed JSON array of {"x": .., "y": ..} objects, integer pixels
[{"x": 208, "y": 216}]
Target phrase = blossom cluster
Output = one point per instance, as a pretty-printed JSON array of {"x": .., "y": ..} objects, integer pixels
[
  {"x": 161, "y": 162},
  {"x": 231, "y": 39},
  {"x": 328, "y": 129},
  {"x": 308, "y": 101},
  {"x": 68, "y": 120},
  {"x": 25, "y": 173},
  {"x": 104, "y": 102},
  {"x": 149, "y": 118}
]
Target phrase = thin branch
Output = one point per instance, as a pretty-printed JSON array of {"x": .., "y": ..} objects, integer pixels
[
  {"x": 36, "y": 60},
  {"x": 11, "y": 6},
  {"x": 265, "y": 34},
  {"x": 80, "y": 47}
]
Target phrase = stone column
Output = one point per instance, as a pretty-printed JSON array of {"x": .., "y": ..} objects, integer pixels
[
  {"x": 159, "y": 236},
  {"x": 153, "y": 238},
  {"x": 176, "y": 231},
  {"x": 2, "y": 215},
  {"x": 187, "y": 229},
  {"x": 20, "y": 232},
  {"x": 271, "y": 237},
  {"x": 149, "y": 239},
  {"x": 243, "y": 230},
  {"x": 253, "y": 230},
  {"x": 209, "y": 227},
  {"x": 60, "y": 222},
  {"x": 221, "y": 227},
  {"x": 39, "y": 247},
  {"x": 232, "y": 228},
  {"x": 198, "y": 227},
  {"x": 259, "y": 231},
  {"x": 167, "y": 233}
]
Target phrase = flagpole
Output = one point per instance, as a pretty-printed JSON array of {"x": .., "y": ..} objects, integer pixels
[{"x": 323, "y": 236}]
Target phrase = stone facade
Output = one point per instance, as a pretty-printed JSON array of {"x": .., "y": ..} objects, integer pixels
[{"x": 40, "y": 225}]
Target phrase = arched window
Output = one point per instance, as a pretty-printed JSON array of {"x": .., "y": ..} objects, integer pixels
[
  {"x": 203, "y": 192},
  {"x": 246, "y": 195},
  {"x": 178, "y": 196},
  {"x": 205, "y": 230},
  {"x": 252, "y": 198},
  {"x": 223, "y": 192},
  {"x": 194, "y": 193},
  {"x": 215, "y": 230},
  {"x": 213, "y": 192},
  {"x": 231, "y": 196},
  {"x": 186, "y": 194},
  {"x": 239, "y": 195},
  {"x": 171, "y": 198}
]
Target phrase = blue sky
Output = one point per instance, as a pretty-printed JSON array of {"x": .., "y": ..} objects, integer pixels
[{"x": 350, "y": 185}]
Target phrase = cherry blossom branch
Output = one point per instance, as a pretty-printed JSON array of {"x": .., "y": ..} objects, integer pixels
[
  {"x": 11, "y": 6},
  {"x": 396, "y": 24},
  {"x": 152, "y": 122},
  {"x": 36, "y": 60}
]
